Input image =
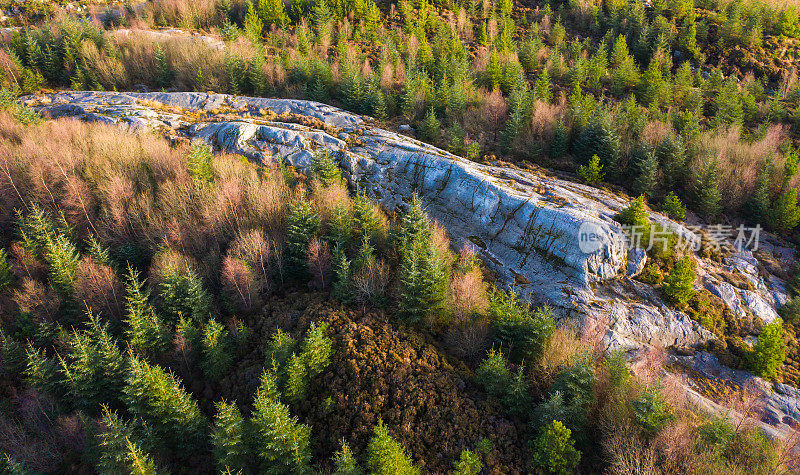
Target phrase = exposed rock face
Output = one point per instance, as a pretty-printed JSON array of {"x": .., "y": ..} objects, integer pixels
[
  {"x": 555, "y": 240},
  {"x": 527, "y": 226}
]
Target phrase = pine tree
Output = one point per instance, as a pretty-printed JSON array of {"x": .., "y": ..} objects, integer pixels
[
  {"x": 644, "y": 168},
  {"x": 345, "y": 461},
  {"x": 430, "y": 128},
  {"x": 560, "y": 143},
  {"x": 679, "y": 284},
  {"x": 343, "y": 284},
  {"x": 199, "y": 163},
  {"x": 146, "y": 332},
  {"x": 385, "y": 456},
  {"x": 367, "y": 220},
  {"x": 303, "y": 224},
  {"x": 6, "y": 276},
  {"x": 706, "y": 190},
  {"x": 673, "y": 207},
  {"x": 543, "y": 88},
  {"x": 120, "y": 449},
  {"x": 272, "y": 12},
  {"x": 229, "y": 437},
  {"x": 785, "y": 214},
  {"x": 217, "y": 350},
  {"x": 95, "y": 370},
  {"x": 651, "y": 85},
  {"x": 317, "y": 349},
  {"x": 158, "y": 398},
  {"x": 297, "y": 376},
  {"x": 326, "y": 169},
  {"x": 62, "y": 256},
  {"x": 284, "y": 443},
  {"x": 555, "y": 450},
  {"x": 597, "y": 138},
  {"x": 163, "y": 72},
  {"x": 44, "y": 374},
  {"x": 520, "y": 113},
  {"x": 728, "y": 105}
]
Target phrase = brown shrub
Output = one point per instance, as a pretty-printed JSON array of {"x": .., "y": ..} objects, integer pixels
[
  {"x": 468, "y": 294},
  {"x": 241, "y": 285},
  {"x": 319, "y": 263},
  {"x": 627, "y": 453},
  {"x": 558, "y": 354},
  {"x": 469, "y": 338},
  {"x": 99, "y": 288},
  {"x": 35, "y": 298},
  {"x": 370, "y": 282}
]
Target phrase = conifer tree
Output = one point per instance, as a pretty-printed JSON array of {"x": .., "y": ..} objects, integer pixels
[
  {"x": 303, "y": 225},
  {"x": 44, "y": 374},
  {"x": 555, "y": 450},
  {"x": 272, "y": 12},
  {"x": 679, "y": 284},
  {"x": 181, "y": 294},
  {"x": 651, "y": 85},
  {"x": 769, "y": 352},
  {"x": 706, "y": 190},
  {"x": 367, "y": 220},
  {"x": 591, "y": 174},
  {"x": 340, "y": 227},
  {"x": 785, "y": 214},
  {"x": 560, "y": 143},
  {"x": 217, "y": 349},
  {"x": 671, "y": 157},
  {"x": 316, "y": 349},
  {"x": 229, "y": 437},
  {"x": 145, "y": 331},
  {"x": 120, "y": 450},
  {"x": 159, "y": 399},
  {"x": 284, "y": 443},
  {"x": 343, "y": 285},
  {"x": 345, "y": 461},
  {"x": 468, "y": 464},
  {"x": 430, "y": 128},
  {"x": 95, "y": 370},
  {"x": 6, "y": 276},
  {"x": 296, "y": 375},
  {"x": 597, "y": 138},
  {"x": 644, "y": 167},
  {"x": 62, "y": 256},
  {"x": 386, "y": 456},
  {"x": 494, "y": 73},
  {"x": 543, "y": 88},
  {"x": 326, "y": 169}
]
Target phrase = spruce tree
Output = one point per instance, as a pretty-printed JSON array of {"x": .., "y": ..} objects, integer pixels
[
  {"x": 707, "y": 195},
  {"x": 671, "y": 158},
  {"x": 146, "y": 332},
  {"x": 229, "y": 437},
  {"x": 679, "y": 284},
  {"x": 430, "y": 128},
  {"x": 121, "y": 451},
  {"x": 784, "y": 213},
  {"x": 182, "y": 295},
  {"x": 6, "y": 276},
  {"x": 560, "y": 143},
  {"x": 345, "y": 461},
  {"x": 316, "y": 349},
  {"x": 644, "y": 167},
  {"x": 284, "y": 443},
  {"x": 326, "y": 169},
  {"x": 386, "y": 456},
  {"x": 272, "y": 12},
  {"x": 303, "y": 225},
  {"x": 296, "y": 376},
  {"x": 217, "y": 350},
  {"x": 597, "y": 138},
  {"x": 95, "y": 370},
  {"x": 769, "y": 352},
  {"x": 159, "y": 399}
]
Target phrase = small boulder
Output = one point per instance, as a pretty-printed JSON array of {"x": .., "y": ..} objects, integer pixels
[{"x": 637, "y": 259}]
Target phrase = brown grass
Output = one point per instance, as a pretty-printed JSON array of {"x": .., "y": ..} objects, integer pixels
[{"x": 99, "y": 288}]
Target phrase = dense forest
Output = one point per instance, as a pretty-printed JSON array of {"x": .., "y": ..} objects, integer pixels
[{"x": 166, "y": 309}]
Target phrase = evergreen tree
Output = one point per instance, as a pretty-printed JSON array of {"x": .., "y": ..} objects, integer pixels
[
  {"x": 555, "y": 450},
  {"x": 673, "y": 207},
  {"x": 644, "y": 167},
  {"x": 158, "y": 398},
  {"x": 679, "y": 284},
  {"x": 345, "y": 462},
  {"x": 769, "y": 352},
  {"x": 326, "y": 169},
  {"x": 597, "y": 138},
  {"x": 44, "y": 374},
  {"x": 424, "y": 282},
  {"x": 284, "y": 443},
  {"x": 62, "y": 256},
  {"x": 217, "y": 350},
  {"x": 671, "y": 158},
  {"x": 560, "y": 143},
  {"x": 340, "y": 227},
  {"x": 524, "y": 332},
  {"x": 146, "y": 332},
  {"x": 430, "y": 128},
  {"x": 343, "y": 284},
  {"x": 182, "y": 295},
  {"x": 199, "y": 163},
  {"x": 296, "y": 375},
  {"x": 650, "y": 411},
  {"x": 706, "y": 190},
  {"x": 728, "y": 105},
  {"x": 316, "y": 349},
  {"x": 385, "y": 456},
  {"x": 757, "y": 207},
  {"x": 303, "y": 224},
  {"x": 543, "y": 87},
  {"x": 651, "y": 85},
  {"x": 230, "y": 438},
  {"x": 785, "y": 214},
  {"x": 120, "y": 449},
  {"x": 367, "y": 220},
  {"x": 6, "y": 276},
  {"x": 591, "y": 174},
  {"x": 95, "y": 371},
  {"x": 493, "y": 75},
  {"x": 272, "y": 12},
  {"x": 469, "y": 463}
]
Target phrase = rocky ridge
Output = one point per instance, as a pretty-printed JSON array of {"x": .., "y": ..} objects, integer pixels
[{"x": 556, "y": 241}]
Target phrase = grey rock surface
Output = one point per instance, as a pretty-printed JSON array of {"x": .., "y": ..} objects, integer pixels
[{"x": 530, "y": 227}]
